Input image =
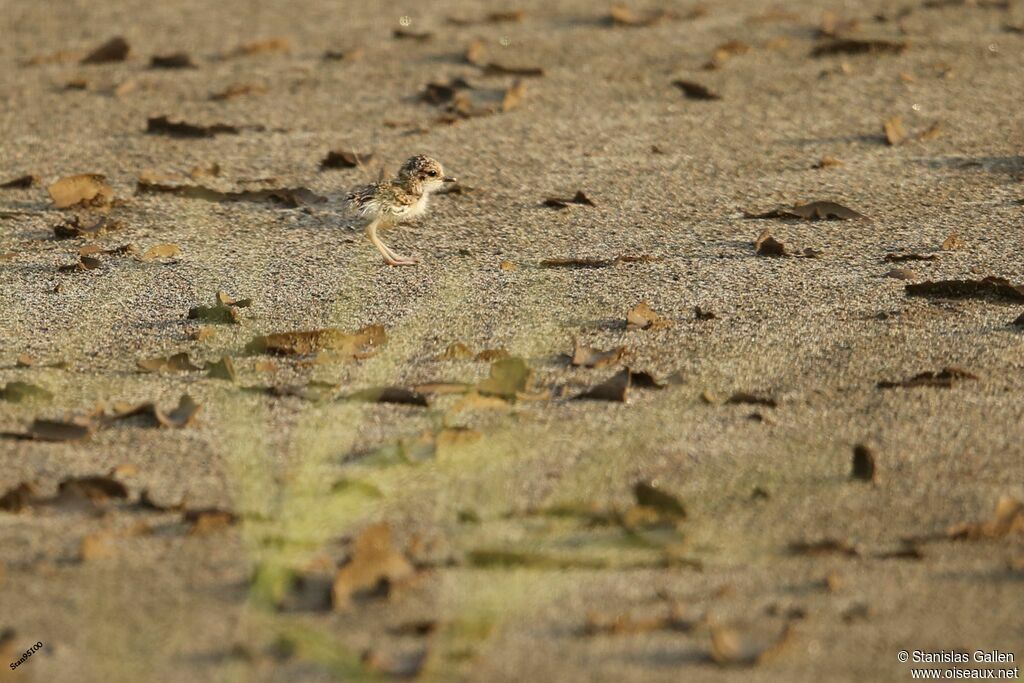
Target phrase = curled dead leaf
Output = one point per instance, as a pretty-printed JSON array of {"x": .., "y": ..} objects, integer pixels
[
  {"x": 114, "y": 50},
  {"x": 84, "y": 190},
  {"x": 374, "y": 568},
  {"x": 643, "y": 317}
]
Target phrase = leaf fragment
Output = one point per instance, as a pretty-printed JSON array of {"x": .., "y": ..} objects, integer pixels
[
  {"x": 696, "y": 91},
  {"x": 161, "y": 251},
  {"x": 179, "y": 362},
  {"x": 863, "y": 468},
  {"x": 895, "y": 133},
  {"x": 1007, "y": 518},
  {"x": 643, "y": 317},
  {"x": 174, "y": 60},
  {"x": 83, "y": 190},
  {"x": 589, "y": 357},
  {"x": 374, "y": 568},
  {"x": 163, "y": 125},
  {"x": 114, "y": 50},
  {"x": 579, "y": 198},
  {"x": 300, "y": 343},
  {"x": 857, "y": 46},
  {"x": 344, "y": 158},
  {"x": 944, "y": 378},
  {"x": 812, "y": 211},
  {"x": 20, "y": 182},
  {"x": 988, "y": 287},
  {"x": 508, "y": 377}
]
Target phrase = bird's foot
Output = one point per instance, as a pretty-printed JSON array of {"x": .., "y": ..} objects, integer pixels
[{"x": 397, "y": 260}]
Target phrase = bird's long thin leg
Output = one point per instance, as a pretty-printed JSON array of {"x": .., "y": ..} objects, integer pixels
[{"x": 390, "y": 257}]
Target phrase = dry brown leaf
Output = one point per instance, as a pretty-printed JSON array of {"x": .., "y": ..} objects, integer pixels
[
  {"x": 174, "y": 60},
  {"x": 508, "y": 377},
  {"x": 863, "y": 467},
  {"x": 496, "y": 69},
  {"x": 179, "y": 362},
  {"x": 989, "y": 287},
  {"x": 292, "y": 197},
  {"x": 826, "y": 546},
  {"x": 945, "y": 378},
  {"x": 895, "y": 133},
  {"x": 80, "y": 225},
  {"x": 643, "y": 317},
  {"x": 399, "y": 395},
  {"x": 952, "y": 243},
  {"x": 615, "y": 388},
  {"x": 238, "y": 90},
  {"x": 259, "y": 47},
  {"x": 827, "y": 162},
  {"x": 353, "y": 55},
  {"x": 114, "y": 50},
  {"x": 207, "y": 520},
  {"x": 161, "y": 251},
  {"x": 403, "y": 34},
  {"x": 84, "y": 189},
  {"x": 491, "y": 355},
  {"x": 162, "y": 125},
  {"x": 513, "y": 96},
  {"x": 373, "y": 569},
  {"x": 94, "y": 490},
  {"x": 177, "y": 418},
  {"x": 57, "y": 430},
  {"x": 222, "y": 369},
  {"x": 596, "y": 263},
  {"x": 589, "y": 357},
  {"x": 853, "y": 46},
  {"x": 726, "y": 51},
  {"x": 97, "y": 546},
  {"x": 343, "y": 158},
  {"x": 696, "y": 91},
  {"x": 650, "y": 495},
  {"x": 20, "y": 182},
  {"x": 748, "y": 398},
  {"x": 300, "y": 343},
  {"x": 21, "y": 392},
  {"x": 812, "y": 211},
  {"x": 730, "y": 647},
  {"x": 19, "y": 498},
  {"x": 579, "y": 198},
  {"x": 766, "y": 245},
  {"x": 623, "y": 16},
  {"x": 1008, "y": 518}
]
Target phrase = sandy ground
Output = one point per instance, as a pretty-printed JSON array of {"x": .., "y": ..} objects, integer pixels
[{"x": 158, "y": 603}]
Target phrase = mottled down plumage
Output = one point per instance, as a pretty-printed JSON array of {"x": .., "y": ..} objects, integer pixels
[{"x": 398, "y": 199}]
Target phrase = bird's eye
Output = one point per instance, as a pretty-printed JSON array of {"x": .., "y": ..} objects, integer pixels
[{"x": 432, "y": 174}]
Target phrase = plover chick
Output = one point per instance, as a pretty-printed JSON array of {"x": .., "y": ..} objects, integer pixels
[{"x": 402, "y": 198}]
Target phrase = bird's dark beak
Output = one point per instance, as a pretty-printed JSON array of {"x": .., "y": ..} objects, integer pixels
[{"x": 449, "y": 179}]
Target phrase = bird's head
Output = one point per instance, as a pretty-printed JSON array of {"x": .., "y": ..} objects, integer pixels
[{"x": 424, "y": 171}]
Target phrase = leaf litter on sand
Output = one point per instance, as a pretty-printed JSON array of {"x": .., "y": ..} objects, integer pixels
[
  {"x": 643, "y": 317},
  {"x": 87, "y": 190},
  {"x": 151, "y": 415},
  {"x": 374, "y": 568},
  {"x": 579, "y": 199},
  {"x": 292, "y": 197},
  {"x": 944, "y": 378},
  {"x": 299, "y": 343},
  {"x": 1007, "y": 518},
  {"x": 988, "y": 287},
  {"x": 224, "y": 310},
  {"x": 812, "y": 211}
]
